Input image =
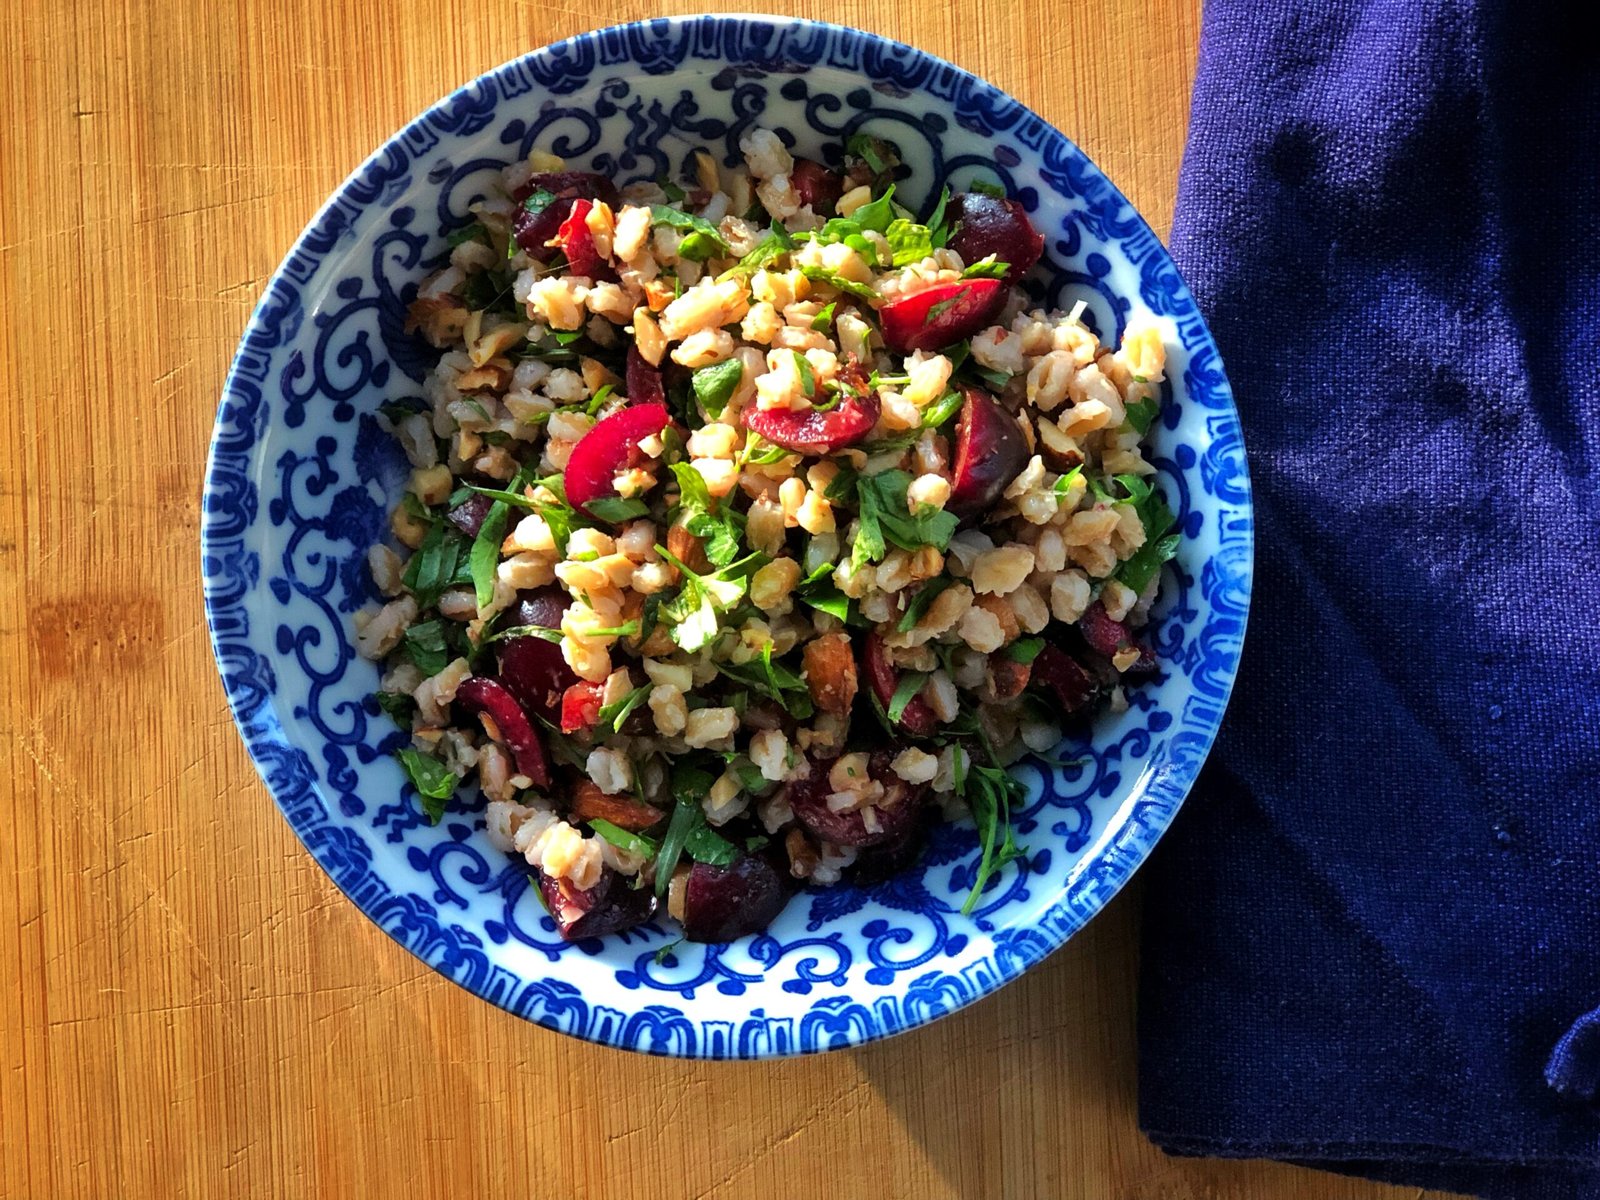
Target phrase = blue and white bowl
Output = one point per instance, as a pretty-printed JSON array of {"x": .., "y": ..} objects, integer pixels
[{"x": 301, "y": 479}]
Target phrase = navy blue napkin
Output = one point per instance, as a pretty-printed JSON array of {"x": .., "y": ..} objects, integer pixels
[{"x": 1372, "y": 938}]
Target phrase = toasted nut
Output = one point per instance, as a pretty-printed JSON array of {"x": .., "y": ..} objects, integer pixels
[
  {"x": 590, "y": 803},
  {"x": 1003, "y": 612},
  {"x": 688, "y": 549},
  {"x": 1008, "y": 677},
  {"x": 830, "y": 672}
]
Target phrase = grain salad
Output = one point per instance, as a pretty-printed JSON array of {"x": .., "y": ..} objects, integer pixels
[{"x": 755, "y": 522}]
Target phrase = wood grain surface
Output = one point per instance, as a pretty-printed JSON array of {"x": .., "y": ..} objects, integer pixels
[{"x": 188, "y": 1007}]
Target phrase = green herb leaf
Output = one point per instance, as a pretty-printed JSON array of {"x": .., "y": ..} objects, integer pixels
[
  {"x": 486, "y": 551},
  {"x": 823, "y": 321},
  {"x": 622, "y": 839},
  {"x": 989, "y": 189},
  {"x": 835, "y": 280},
  {"x": 395, "y": 411},
  {"x": 672, "y": 191},
  {"x": 703, "y": 240},
  {"x": 474, "y": 232},
  {"x": 884, "y": 514},
  {"x": 678, "y": 829},
  {"x": 435, "y": 782},
  {"x": 877, "y": 214},
  {"x": 713, "y": 385},
  {"x": 1024, "y": 650},
  {"x": 808, "y": 377},
  {"x": 615, "y": 713},
  {"x": 399, "y": 706},
  {"x": 598, "y": 400},
  {"x": 992, "y": 379},
  {"x": 1139, "y": 569},
  {"x": 880, "y": 155},
  {"x": 704, "y": 844},
  {"x": 941, "y": 410},
  {"x": 425, "y": 646},
  {"x": 614, "y": 510},
  {"x": 911, "y": 683},
  {"x": 908, "y": 241},
  {"x": 432, "y": 568},
  {"x": 986, "y": 269},
  {"x": 940, "y": 232},
  {"x": 538, "y": 201},
  {"x": 773, "y": 680},
  {"x": 925, "y": 596},
  {"x": 989, "y": 793},
  {"x": 1142, "y": 413},
  {"x": 718, "y": 530}
]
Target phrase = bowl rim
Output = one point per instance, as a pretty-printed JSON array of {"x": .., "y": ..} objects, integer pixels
[{"x": 261, "y": 731}]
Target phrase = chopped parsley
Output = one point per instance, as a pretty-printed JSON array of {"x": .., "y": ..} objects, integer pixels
[{"x": 435, "y": 782}]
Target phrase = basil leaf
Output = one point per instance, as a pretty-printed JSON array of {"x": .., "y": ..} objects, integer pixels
[
  {"x": 435, "y": 782},
  {"x": 486, "y": 551},
  {"x": 398, "y": 706},
  {"x": 714, "y": 385},
  {"x": 703, "y": 241},
  {"x": 910, "y": 685},
  {"x": 425, "y": 646},
  {"x": 614, "y": 510},
  {"x": 622, "y": 839},
  {"x": 1024, "y": 650}
]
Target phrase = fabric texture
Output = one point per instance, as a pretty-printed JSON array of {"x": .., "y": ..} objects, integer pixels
[{"x": 1372, "y": 938}]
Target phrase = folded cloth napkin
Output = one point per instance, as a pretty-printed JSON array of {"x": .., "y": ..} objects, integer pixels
[{"x": 1372, "y": 939}]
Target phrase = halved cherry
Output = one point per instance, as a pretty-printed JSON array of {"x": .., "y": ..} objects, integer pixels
[
  {"x": 643, "y": 382},
  {"x": 577, "y": 243},
  {"x": 819, "y": 431},
  {"x": 935, "y": 317},
  {"x": 916, "y": 717},
  {"x": 1110, "y": 637},
  {"x": 493, "y": 700},
  {"x": 610, "y": 906},
  {"x": 534, "y": 229},
  {"x": 531, "y": 667},
  {"x": 1065, "y": 678},
  {"x": 608, "y": 448},
  {"x": 580, "y": 707},
  {"x": 816, "y": 185},
  {"x": 894, "y": 814},
  {"x": 469, "y": 514},
  {"x": 988, "y": 225},
  {"x": 990, "y": 452},
  {"x": 724, "y": 903}
]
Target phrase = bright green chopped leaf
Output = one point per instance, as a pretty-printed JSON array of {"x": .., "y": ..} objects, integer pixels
[
  {"x": 504, "y": 496},
  {"x": 910, "y": 685},
  {"x": 425, "y": 646},
  {"x": 876, "y": 381},
  {"x": 692, "y": 613},
  {"x": 622, "y": 839},
  {"x": 908, "y": 242},
  {"x": 475, "y": 232},
  {"x": 598, "y": 400},
  {"x": 706, "y": 519},
  {"x": 432, "y": 568},
  {"x": 994, "y": 380},
  {"x": 435, "y": 782},
  {"x": 395, "y": 411},
  {"x": 989, "y": 189},
  {"x": 615, "y": 713},
  {"x": 808, "y": 377},
  {"x": 1137, "y": 571},
  {"x": 486, "y": 551},
  {"x": 939, "y": 230},
  {"x": 775, "y": 245},
  {"x": 1024, "y": 650},
  {"x": 704, "y": 844},
  {"x": 538, "y": 201},
  {"x": 414, "y": 507},
  {"x": 986, "y": 268},
  {"x": 672, "y": 191},
  {"x": 1142, "y": 413},
  {"x": 925, "y": 596},
  {"x": 1063, "y": 485},
  {"x": 830, "y": 600},
  {"x": 989, "y": 793},
  {"x": 876, "y": 214},
  {"x": 884, "y": 515},
  {"x": 835, "y": 280},
  {"x": 941, "y": 410},
  {"x": 766, "y": 455},
  {"x": 399, "y": 706},
  {"x": 614, "y": 510},
  {"x": 543, "y": 632},
  {"x": 881, "y": 155},
  {"x": 683, "y": 820},
  {"x": 773, "y": 680},
  {"x": 703, "y": 240},
  {"x": 823, "y": 321},
  {"x": 714, "y": 384},
  {"x": 665, "y": 956}
]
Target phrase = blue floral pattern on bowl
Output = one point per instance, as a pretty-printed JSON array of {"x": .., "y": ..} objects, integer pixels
[{"x": 301, "y": 479}]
